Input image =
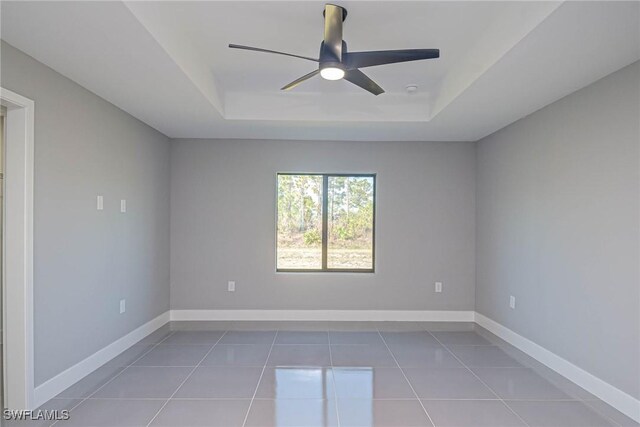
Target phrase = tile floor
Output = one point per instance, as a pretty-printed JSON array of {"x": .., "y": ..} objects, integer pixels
[{"x": 326, "y": 374}]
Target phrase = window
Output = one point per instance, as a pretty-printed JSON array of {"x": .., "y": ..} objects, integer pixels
[{"x": 325, "y": 222}]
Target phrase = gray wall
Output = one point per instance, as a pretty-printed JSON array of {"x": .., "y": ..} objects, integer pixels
[
  {"x": 85, "y": 260},
  {"x": 223, "y": 196},
  {"x": 558, "y": 224}
]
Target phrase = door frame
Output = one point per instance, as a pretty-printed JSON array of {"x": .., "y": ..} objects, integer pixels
[{"x": 17, "y": 271}]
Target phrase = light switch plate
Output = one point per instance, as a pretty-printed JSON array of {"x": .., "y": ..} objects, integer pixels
[
  {"x": 231, "y": 286},
  {"x": 123, "y": 206},
  {"x": 123, "y": 306},
  {"x": 512, "y": 301},
  {"x": 438, "y": 287},
  {"x": 99, "y": 203}
]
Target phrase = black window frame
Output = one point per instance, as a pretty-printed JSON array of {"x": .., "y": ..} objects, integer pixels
[{"x": 325, "y": 223}]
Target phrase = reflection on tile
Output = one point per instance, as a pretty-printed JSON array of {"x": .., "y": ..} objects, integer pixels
[
  {"x": 362, "y": 356},
  {"x": 296, "y": 383},
  {"x": 292, "y": 413},
  {"x": 559, "y": 413},
  {"x": 447, "y": 383},
  {"x": 248, "y": 337},
  {"x": 237, "y": 355},
  {"x": 174, "y": 355},
  {"x": 100, "y": 412},
  {"x": 197, "y": 413},
  {"x": 519, "y": 383},
  {"x": 372, "y": 383},
  {"x": 609, "y": 412},
  {"x": 350, "y": 337},
  {"x": 299, "y": 355},
  {"x": 484, "y": 356},
  {"x": 144, "y": 382},
  {"x": 461, "y": 338},
  {"x": 387, "y": 413},
  {"x": 220, "y": 382},
  {"x": 302, "y": 337},
  {"x": 425, "y": 357},
  {"x": 193, "y": 337},
  {"x": 471, "y": 413},
  {"x": 91, "y": 382}
]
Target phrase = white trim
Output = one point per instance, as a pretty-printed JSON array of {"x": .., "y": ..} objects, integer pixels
[
  {"x": 325, "y": 315},
  {"x": 18, "y": 251},
  {"x": 70, "y": 376},
  {"x": 615, "y": 397}
]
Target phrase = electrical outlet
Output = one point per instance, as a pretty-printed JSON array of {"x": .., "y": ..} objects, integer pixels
[
  {"x": 123, "y": 306},
  {"x": 99, "y": 203},
  {"x": 231, "y": 286},
  {"x": 123, "y": 206},
  {"x": 512, "y": 301},
  {"x": 438, "y": 287}
]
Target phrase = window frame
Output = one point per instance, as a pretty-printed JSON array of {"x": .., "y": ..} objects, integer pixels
[{"x": 325, "y": 223}]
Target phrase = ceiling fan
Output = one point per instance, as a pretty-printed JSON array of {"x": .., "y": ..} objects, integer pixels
[{"x": 336, "y": 62}]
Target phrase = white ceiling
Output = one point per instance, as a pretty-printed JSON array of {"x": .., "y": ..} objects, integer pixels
[{"x": 168, "y": 64}]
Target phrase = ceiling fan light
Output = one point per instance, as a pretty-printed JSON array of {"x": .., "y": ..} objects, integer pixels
[{"x": 332, "y": 73}]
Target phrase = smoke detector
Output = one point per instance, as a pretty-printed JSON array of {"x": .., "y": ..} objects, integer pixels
[{"x": 411, "y": 89}]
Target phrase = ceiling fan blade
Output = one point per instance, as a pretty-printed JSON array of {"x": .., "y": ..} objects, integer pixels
[
  {"x": 257, "y": 49},
  {"x": 333, "y": 31},
  {"x": 381, "y": 57},
  {"x": 359, "y": 78},
  {"x": 296, "y": 82}
]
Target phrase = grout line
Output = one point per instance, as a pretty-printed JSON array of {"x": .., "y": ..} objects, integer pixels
[
  {"x": 185, "y": 380},
  {"x": 335, "y": 386},
  {"x": 246, "y": 416},
  {"x": 479, "y": 379},
  {"x": 406, "y": 379},
  {"x": 118, "y": 374}
]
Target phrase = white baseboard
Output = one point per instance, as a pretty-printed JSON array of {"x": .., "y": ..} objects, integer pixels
[
  {"x": 70, "y": 376},
  {"x": 326, "y": 315},
  {"x": 615, "y": 397}
]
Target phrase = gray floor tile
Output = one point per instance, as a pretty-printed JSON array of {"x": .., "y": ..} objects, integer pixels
[
  {"x": 559, "y": 413},
  {"x": 193, "y": 337},
  {"x": 362, "y": 356},
  {"x": 372, "y": 383},
  {"x": 237, "y": 355},
  {"x": 299, "y": 355},
  {"x": 248, "y": 337},
  {"x": 484, "y": 356},
  {"x": 201, "y": 413},
  {"x": 381, "y": 413},
  {"x": 471, "y": 413},
  {"x": 292, "y": 413},
  {"x": 157, "y": 336},
  {"x": 425, "y": 357},
  {"x": 220, "y": 382},
  {"x": 447, "y": 383},
  {"x": 460, "y": 338},
  {"x": 296, "y": 383},
  {"x": 91, "y": 382},
  {"x": 174, "y": 355},
  {"x": 302, "y": 337},
  {"x": 130, "y": 355},
  {"x": 144, "y": 382},
  {"x": 411, "y": 338},
  {"x": 519, "y": 383},
  {"x": 354, "y": 337},
  {"x": 113, "y": 412},
  {"x": 607, "y": 411}
]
